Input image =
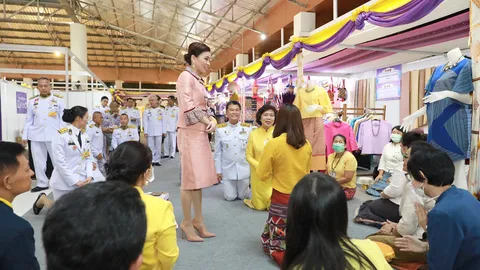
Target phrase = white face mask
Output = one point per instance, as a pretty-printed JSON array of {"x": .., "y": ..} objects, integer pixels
[
  {"x": 151, "y": 178},
  {"x": 419, "y": 191}
]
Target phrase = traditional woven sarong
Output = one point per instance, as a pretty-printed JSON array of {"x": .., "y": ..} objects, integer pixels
[
  {"x": 349, "y": 193},
  {"x": 275, "y": 232}
]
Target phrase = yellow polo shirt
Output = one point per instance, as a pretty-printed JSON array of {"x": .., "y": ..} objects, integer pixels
[{"x": 346, "y": 163}]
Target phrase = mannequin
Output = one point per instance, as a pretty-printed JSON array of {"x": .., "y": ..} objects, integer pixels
[
  {"x": 220, "y": 108},
  {"x": 289, "y": 96},
  {"x": 233, "y": 89},
  {"x": 313, "y": 103},
  {"x": 448, "y": 108}
]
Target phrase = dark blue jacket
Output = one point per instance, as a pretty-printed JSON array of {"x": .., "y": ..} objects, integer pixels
[
  {"x": 17, "y": 244},
  {"x": 454, "y": 231}
]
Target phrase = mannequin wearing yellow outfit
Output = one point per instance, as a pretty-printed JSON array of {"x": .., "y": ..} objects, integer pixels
[
  {"x": 261, "y": 190},
  {"x": 313, "y": 102}
]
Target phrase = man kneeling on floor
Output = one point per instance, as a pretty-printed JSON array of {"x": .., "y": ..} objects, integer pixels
[
  {"x": 230, "y": 154},
  {"x": 95, "y": 227},
  {"x": 17, "y": 244}
]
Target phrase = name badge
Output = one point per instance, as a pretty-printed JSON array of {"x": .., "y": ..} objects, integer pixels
[{"x": 332, "y": 174}]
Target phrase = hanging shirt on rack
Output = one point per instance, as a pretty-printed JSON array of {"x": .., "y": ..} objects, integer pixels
[
  {"x": 373, "y": 135},
  {"x": 333, "y": 128},
  {"x": 358, "y": 124}
]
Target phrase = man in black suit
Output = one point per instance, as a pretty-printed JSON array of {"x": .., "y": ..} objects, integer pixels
[{"x": 17, "y": 244}]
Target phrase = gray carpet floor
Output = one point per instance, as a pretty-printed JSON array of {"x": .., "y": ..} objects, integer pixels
[{"x": 238, "y": 228}]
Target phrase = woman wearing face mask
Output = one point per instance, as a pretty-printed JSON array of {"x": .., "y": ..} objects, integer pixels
[
  {"x": 342, "y": 166},
  {"x": 261, "y": 190},
  {"x": 390, "y": 161},
  {"x": 376, "y": 212},
  {"x": 131, "y": 163},
  {"x": 453, "y": 226}
]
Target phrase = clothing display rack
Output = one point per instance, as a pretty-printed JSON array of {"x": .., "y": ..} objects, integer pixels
[{"x": 345, "y": 111}]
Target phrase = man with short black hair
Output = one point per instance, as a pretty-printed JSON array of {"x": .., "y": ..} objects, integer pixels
[
  {"x": 124, "y": 133},
  {"x": 44, "y": 119},
  {"x": 98, "y": 226},
  {"x": 132, "y": 112},
  {"x": 17, "y": 244}
]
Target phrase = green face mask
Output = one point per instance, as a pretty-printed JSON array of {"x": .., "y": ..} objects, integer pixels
[
  {"x": 338, "y": 147},
  {"x": 396, "y": 138}
]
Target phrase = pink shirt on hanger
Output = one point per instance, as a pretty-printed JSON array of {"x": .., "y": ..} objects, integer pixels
[{"x": 333, "y": 128}]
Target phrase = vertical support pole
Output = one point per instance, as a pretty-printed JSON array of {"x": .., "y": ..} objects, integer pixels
[
  {"x": 335, "y": 9},
  {"x": 474, "y": 170},
  {"x": 300, "y": 79},
  {"x": 67, "y": 104},
  {"x": 282, "y": 37},
  {"x": 253, "y": 54}
]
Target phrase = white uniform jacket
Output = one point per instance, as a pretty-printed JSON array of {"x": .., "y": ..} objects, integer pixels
[
  {"x": 72, "y": 163},
  {"x": 97, "y": 140},
  {"x": 230, "y": 151},
  {"x": 133, "y": 116},
  {"x": 44, "y": 118},
  {"x": 154, "y": 121},
  {"x": 171, "y": 118},
  {"x": 107, "y": 121},
  {"x": 121, "y": 135}
]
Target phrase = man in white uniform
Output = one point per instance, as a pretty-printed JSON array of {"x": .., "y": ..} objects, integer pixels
[
  {"x": 124, "y": 133},
  {"x": 97, "y": 141},
  {"x": 132, "y": 112},
  {"x": 44, "y": 119},
  {"x": 154, "y": 122},
  {"x": 230, "y": 154},
  {"x": 106, "y": 125},
  {"x": 171, "y": 119}
]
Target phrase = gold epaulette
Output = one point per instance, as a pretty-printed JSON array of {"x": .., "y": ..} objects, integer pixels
[
  {"x": 245, "y": 125},
  {"x": 34, "y": 97},
  {"x": 222, "y": 125},
  {"x": 57, "y": 95},
  {"x": 123, "y": 108},
  {"x": 91, "y": 125},
  {"x": 83, "y": 130},
  {"x": 63, "y": 130},
  {"x": 132, "y": 126},
  {"x": 136, "y": 108}
]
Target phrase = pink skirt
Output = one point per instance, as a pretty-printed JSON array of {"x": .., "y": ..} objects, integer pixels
[{"x": 197, "y": 165}]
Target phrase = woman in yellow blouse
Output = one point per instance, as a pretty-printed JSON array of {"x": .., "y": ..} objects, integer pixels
[
  {"x": 131, "y": 162},
  {"x": 285, "y": 160},
  {"x": 342, "y": 166},
  {"x": 261, "y": 190}
]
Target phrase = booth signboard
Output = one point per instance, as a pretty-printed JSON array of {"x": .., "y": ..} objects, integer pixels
[
  {"x": 21, "y": 103},
  {"x": 388, "y": 83}
]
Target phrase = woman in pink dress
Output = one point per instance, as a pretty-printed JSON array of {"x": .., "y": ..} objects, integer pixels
[{"x": 198, "y": 167}]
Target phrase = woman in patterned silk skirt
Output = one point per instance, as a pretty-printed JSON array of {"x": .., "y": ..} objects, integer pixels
[
  {"x": 285, "y": 160},
  {"x": 198, "y": 168}
]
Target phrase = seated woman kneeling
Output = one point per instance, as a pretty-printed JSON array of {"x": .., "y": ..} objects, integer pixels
[
  {"x": 131, "y": 163},
  {"x": 342, "y": 166},
  {"x": 317, "y": 230}
]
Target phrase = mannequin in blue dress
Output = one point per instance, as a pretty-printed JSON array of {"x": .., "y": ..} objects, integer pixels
[{"x": 449, "y": 111}]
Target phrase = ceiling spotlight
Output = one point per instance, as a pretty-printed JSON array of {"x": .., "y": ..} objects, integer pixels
[
  {"x": 263, "y": 36},
  {"x": 57, "y": 54}
]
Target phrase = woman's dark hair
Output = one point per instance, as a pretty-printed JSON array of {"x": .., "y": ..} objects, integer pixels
[
  {"x": 264, "y": 108},
  {"x": 341, "y": 136},
  {"x": 128, "y": 161},
  {"x": 435, "y": 165},
  {"x": 69, "y": 115},
  {"x": 317, "y": 227},
  {"x": 195, "y": 49},
  {"x": 420, "y": 146},
  {"x": 412, "y": 136},
  {"x": 290, "y": 122}
]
